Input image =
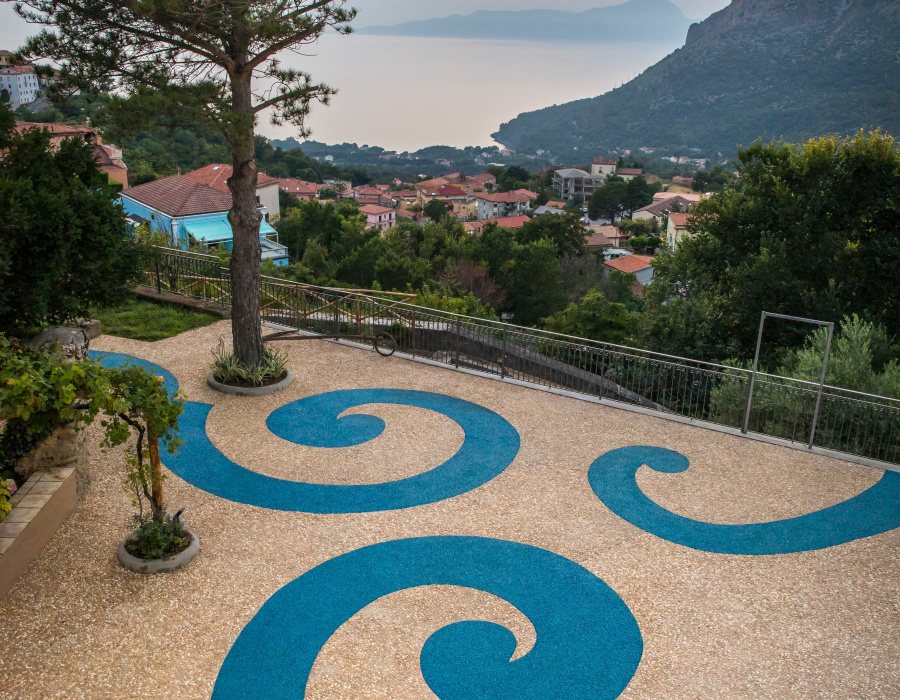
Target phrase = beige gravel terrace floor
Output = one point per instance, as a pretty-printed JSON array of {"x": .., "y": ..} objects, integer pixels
[{"x": 819, "y": 624}]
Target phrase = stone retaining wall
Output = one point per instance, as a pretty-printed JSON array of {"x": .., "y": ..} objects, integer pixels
[{"x": 39, "y": 508}]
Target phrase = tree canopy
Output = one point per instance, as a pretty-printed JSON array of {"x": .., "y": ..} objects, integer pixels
[
  {"x": 64, "y": 243},
  {"x": 184, "y": 63},
  {"x": 811, "y": 230}
]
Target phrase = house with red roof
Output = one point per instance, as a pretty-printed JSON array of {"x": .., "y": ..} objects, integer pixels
[
  {"x": 190, "y": 213},
  {"x": 108, "y": 157},
  {"x": 603, "y": 167},
  {"x": 511, "y": 222},
  {"x": 366, "y": 194},
  {"x": 628, "y": 174},
  {"x": 216, "y": 176},
  {"x": 299, "y": 189},
  {"x": 639, "y": 265},
  {"x": 660, "y": 209},
  {"x": 378, "y": 217},
  {"x": 502, "y": 204}
]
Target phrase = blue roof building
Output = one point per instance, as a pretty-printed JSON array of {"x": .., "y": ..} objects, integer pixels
[{"x": 192, "y": 213}]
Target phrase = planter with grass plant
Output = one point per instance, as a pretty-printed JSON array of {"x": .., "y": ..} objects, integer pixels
[
  {"x": 39, "y": 392},
  {"x": 231, "y": 376}
]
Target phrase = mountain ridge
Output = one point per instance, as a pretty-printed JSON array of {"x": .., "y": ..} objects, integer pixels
[
  {"x": 634, "y": 20},
  {"x": 756, "y": 69}
]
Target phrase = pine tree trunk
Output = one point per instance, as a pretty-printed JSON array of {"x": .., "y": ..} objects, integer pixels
[
  {"x": 245, "y": 219},
  {"x": 156, "y": 487}
]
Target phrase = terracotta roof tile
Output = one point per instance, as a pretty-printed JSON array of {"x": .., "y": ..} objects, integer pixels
[
  {"x": 679, "y": 220},
  {"x": 374, "y": 209},
  {"x": 178, "y": 196},
  {"x": 509, "y": 221},
  {"x": 216, "y": 176},
  {"x": 631, "y": 263}
]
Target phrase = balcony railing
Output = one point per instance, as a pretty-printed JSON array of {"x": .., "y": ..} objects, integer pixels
[{"x": 859, "y": 425}]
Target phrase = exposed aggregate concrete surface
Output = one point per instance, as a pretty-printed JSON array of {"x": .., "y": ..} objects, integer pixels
[{"x": 822, "y": 624}]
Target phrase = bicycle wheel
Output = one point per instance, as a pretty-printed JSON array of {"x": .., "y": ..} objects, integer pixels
[{"x": 384, "y": 344}]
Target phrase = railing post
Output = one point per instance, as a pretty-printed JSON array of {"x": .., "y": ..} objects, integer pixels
[
  {"x": 458, "y": 333},
  {"x": 815, "y": 420},
  {"x": 303, "y": 308},
  {"x": 158, "y": 280},
  {"x": 503, "y": 357},
  {"x": 337, "y": 318},
  {"x": 762, "y": 323}
]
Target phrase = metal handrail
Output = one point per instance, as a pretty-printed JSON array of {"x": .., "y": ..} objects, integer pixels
[{"x": 858, "y": 424}]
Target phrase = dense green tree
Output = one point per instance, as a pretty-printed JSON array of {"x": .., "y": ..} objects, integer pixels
[
  {"x": 197, "y": 63},
  {"x": 810, "y": 230},
  {"x": 64, "y": 243},
  {"x": 534, "y": 283},
  {"x": 596, "y": 318},
  {"x": 638, "y": 193},
  {"x": 436, "y": 210},
  {"x": 608, "y": 201},
  {"x": 566, "y": 231},
  {"x": 713, "y": 181}
]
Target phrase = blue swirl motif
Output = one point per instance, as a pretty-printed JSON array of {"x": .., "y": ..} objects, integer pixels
[
  {"x": 612, "y": 477},
  {"x": 117, "y": 359},
  {"x": 588, "y": 642},
  {"x": 490, "y": 446}
]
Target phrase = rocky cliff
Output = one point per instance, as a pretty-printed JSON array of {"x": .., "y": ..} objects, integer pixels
[{"x": 757, "y": 69}]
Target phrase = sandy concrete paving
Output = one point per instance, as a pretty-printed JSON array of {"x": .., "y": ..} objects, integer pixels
[{"x": 821, "y": 624}]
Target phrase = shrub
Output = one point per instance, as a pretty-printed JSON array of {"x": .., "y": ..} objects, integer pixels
[
  {"x": 228, "y": 369},
  {"x": 158, "y": 537}
]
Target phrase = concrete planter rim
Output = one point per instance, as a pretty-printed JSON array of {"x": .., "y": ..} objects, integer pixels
[
  {"x": 158, "y": 566},
  {"x": 250, "y": 391}
]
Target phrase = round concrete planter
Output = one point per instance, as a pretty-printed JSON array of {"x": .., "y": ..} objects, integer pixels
[
  {"x": 250, "y": 391},
  {"x": 159, "y": 566}
]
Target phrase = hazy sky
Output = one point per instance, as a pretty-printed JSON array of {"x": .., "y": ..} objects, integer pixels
[{"x": 13, "y": 30}]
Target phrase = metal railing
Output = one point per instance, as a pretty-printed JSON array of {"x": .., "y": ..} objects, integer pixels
[{"x": 850, "y": 422}]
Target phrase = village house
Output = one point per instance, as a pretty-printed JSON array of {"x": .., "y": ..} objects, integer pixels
[
  {"x": 191, "y": 213},
  {"x": 540, "y": 211},
  {"x": 603, "y": 167},
  {"x": 694, "y": 197},
  {"x": 572, "y": 182},
  {"x": 639, "y": 265},
  {"x": 21, "y": 84},
  {"x": 628, "y": 174},
  {"x": 108, "y": 157},
  {"x": 216, "y": 176},
  {"x": 405, "y": 197},
  {"x": 659, "y": 210},
  {"x": 458, "y": 201},
  {"x": 600, "y": 234},
  {"x": 300, "y": 189},
  {"x": 510, "y": 222},
  {"x": 501, "y": 204},
  {"x": 366, "y": 194},
  {"x": 378, "y": 217},
  {"x": 677, "y": 229}
]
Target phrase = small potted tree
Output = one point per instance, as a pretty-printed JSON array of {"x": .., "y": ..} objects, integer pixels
[
  {"x": 40, "y": 392},
  {"x": 160, "y": 543}
]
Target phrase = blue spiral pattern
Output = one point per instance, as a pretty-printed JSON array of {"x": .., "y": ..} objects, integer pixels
[
  {"x": 612, "y": 477},
  {"x": 117, "y": 359},
  {"x": 588, "y": 642},
  {"x": 489, "y": 447}
]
